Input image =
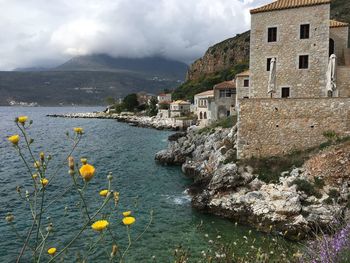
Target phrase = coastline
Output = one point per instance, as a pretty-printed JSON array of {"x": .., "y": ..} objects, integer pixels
[
  {"x": 300, "y": 201},
  {"x": 133, "y": 120}
]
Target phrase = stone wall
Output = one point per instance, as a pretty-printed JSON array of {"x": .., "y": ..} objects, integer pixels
[
  {"x": 343, "y": 81},
  {"x": 302, "y": 82},
  {"x": 270, "y": 127},
  {"x": 242, "y": 91},
  {"x": 340, "y": 37}
]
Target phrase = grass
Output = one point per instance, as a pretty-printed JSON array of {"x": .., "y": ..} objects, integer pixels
[
  {"x": 270, "y": 168},
  {"x": 227, "y": 122}
]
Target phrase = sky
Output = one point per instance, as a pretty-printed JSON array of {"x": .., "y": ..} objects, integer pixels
[{"x": 45, "y": 33}]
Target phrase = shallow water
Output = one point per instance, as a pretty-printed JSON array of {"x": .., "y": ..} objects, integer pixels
[{"x": 144, "y": 185}]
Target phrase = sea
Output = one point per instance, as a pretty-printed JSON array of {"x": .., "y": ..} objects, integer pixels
[{"x": 144, "y": 186}]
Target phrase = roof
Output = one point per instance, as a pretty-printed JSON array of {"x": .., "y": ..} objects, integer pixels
[
  {"x": 164, "y": 94},
  {"x": 334, "y": 23},
  {"x": 287, "y": 4},
  {"x": 180, "y": 102},
  {"x": 209, "y": 93},
  {"x": 244, "y": 74},
  {"x": 226, "y": 85}
]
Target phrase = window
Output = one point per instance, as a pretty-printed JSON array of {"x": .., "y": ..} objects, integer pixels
[
  {"x": 268, "y": 65},
  {"x": 246, "y": 83},
  {"x": 285, "y": 92},
  {"x": 304, "y": 31},
  {"x": 272, "y": 34},
  {"x": 304, "y": 62},
  {"x": 227, "y": 113},
  {"x": 222, "y": 93}
]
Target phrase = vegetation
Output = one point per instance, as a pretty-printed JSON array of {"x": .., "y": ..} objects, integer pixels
[
  {"x": 151, "y": 108},
  {"x": 130, "y": 102},
  {"x": 190, "y": 88},
  {"x": 99, "y": 223},
  {"x": 270, "y": 168},
  {"x": 307, "y": 187},
  {"x": 227, "y": 122}
]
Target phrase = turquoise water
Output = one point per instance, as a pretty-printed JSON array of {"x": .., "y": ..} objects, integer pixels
[{"x": 144, "y": 185}]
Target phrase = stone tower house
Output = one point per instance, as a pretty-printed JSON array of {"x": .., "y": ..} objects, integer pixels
[{"x": 301, "y": 37}]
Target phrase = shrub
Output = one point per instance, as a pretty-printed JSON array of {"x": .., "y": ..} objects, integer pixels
[{"x": 306, "y": 187}]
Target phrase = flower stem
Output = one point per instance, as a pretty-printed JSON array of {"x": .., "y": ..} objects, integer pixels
[{"x": 81, "y": 231}]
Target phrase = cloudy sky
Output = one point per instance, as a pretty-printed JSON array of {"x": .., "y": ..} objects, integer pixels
[{"x": 48, "y": 32}]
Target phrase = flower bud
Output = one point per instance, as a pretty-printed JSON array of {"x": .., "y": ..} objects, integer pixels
[
  {"x": 71, "y": 172},
  {"x": 110, "y": 176},
  {"x": 114, "y": 250},
  {"x": 9, "y": 217},
  {"x": 18, "y": 189},
  {"x": 116, "y": 198},
  {"x": 27, "y": 194},
  {"x": 83, "y": 161},
  {"x": 49, "y": 157},
  {"x": 49, "y": 228},
  {"x": 42, "y": 156},
  {"x": 71, "y": 163}
]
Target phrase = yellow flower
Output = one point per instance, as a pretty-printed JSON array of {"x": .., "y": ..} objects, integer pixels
[
  {"x": 100, "y": 225},
  {"x": 87, "y": 171},
  {"x": 83, "y": 160},
  {"x": 51, "y": 251},
  {"x": 37, "y": 164},
  {"x": 103, "y": 193},
  {"x": 78, "y": 130},
  {"x": 22, "y": 119},
  {"x": 129, "y": 220},
  {"x": 14, "y": 139},
  {"x": 35, "y": 176},
  {"x": 44, "y": 182},
  {"x": 127, "y": 213}
]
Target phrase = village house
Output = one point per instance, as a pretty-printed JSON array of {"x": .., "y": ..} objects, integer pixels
[
  {"x": 144, "y": 98},
  {"x": 224, "y": 100},
  {"x": 203, "y": 107},
  {"x": 298, "y": 83},
  {"x": 164, "y": 98},
  {"x": 179, "y": 108}
]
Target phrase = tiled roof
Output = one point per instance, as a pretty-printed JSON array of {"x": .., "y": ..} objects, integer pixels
[
  {"x": 180, "y": 102},
  {"x": 287, "y": 4},
  {"x": 226, "y": 85},
  {"x": 206, "y": 93},
  {"x": 334, "y": 23},
  {"x": 244, "y": 74}
]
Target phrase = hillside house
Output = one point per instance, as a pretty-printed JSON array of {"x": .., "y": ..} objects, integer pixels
[
  {"x": 179, "y": 108},
  {"x": 290, "y": 104},
  {"x": 224, "y": 100},
  {"x": 203, "y": 107}
]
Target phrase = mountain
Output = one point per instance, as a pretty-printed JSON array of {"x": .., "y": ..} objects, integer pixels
[
  {"x": 224, "y": 60},
  {"x": 221, "y": 56},
  {"x": 88, "y": 80},
  {"x": 150, "y": 66}
]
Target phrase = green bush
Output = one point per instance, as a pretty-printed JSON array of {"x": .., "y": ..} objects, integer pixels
[{"x": 306, "y": 187}]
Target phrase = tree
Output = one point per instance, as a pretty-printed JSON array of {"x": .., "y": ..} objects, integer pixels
[
  {"x": 130, "y": 102},
  {"x": 152, "y": 109},
  {"x": 110, "y": 100}
]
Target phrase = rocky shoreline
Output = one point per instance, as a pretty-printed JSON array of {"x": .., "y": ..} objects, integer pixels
[
  {"x": 137, "y": 121},
  {"x": 305, "y": 200}
]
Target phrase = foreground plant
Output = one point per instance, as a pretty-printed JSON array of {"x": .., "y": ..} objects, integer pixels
[{"x": 40, "y": 198}]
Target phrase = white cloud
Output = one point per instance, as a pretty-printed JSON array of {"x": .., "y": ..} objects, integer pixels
[{"x": 40, "y": 32}]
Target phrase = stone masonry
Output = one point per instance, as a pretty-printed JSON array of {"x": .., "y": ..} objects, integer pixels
[
  {"x": 303, "y": 83},
  {"x": 270, "y": 127}
]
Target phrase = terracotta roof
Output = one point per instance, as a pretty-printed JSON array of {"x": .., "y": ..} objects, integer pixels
[
  {"x": 209, "y": 93},
  {"x": 226, "y": 85},
  {"x": 244, "y": 74},
  {"x": 164, "y": 94},
  {"x": 287, "y": 4},
  {"x": 334, "y": 23},
  {"x": 180, "y": 102}
]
